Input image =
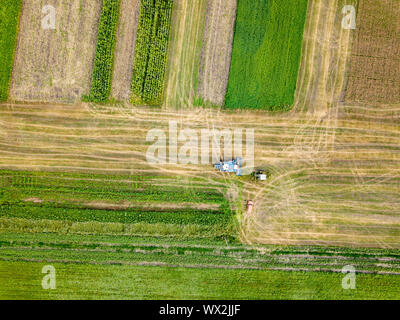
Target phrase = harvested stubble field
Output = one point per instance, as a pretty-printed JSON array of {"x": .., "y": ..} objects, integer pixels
[
  {"x": 50, "y": 64},
  {"x": 325, "y": 59},
  {"x": 330, "y": 184},
  {"x": 186, "y": 39},
  {"x": 216, "y": 52},
  {"x": 375, "y": 58}
]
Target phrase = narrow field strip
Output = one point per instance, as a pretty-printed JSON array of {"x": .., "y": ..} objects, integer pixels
[
  {"x": 85, "y": 281},
  {"x": 125, "y": 49},
  {"x": 161, "y": 230},
  {"x": 151, "y": 52},
  {"x": 266, "y": 54},
  {"x": 104, "y": 59},
  {"x": 193, "y": 260},
  {"x": 216, "y": 52},
  {"x": 9, "y": 24},
  {"x": 55, "y": 65}
]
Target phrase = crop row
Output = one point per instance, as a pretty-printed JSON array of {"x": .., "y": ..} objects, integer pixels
[
  {"x": 53, "y": 211},
  {"x": 151, "y": 51},
  {"x": 104, "y": 59},
  {"x": 79, "y": 187},
  {"x": 105, "y": 178},
  {"x": 88, "y": 192},
  {"x": 178, "y": 256},
  {"x": 40, "y": 241},
  {"x": 111, "y": 239},
  {"x": 346, "y": 253},
  {"x": 161, "y": 231}
]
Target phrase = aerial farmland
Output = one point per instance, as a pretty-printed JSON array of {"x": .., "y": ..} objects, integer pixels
[{"x": 134, "y": 135}]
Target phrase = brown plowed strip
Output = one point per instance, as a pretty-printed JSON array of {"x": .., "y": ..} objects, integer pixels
[
  {"x": 217, "y": 50},
  {"x": 125, "y": 49}
]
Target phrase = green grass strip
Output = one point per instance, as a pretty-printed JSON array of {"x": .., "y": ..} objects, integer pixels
[
  {"x": 21, "y": 280},
  {"x": 9, "y": 19}
]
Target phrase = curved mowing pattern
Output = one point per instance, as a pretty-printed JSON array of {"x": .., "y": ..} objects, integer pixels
[
  {"x": 9, "y": 17},
  {"x": 266, "y": 54},
  {"x": 151, "y": 51},
  {"x": 103, "y": 64}
]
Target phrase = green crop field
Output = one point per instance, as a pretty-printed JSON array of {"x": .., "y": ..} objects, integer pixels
[
  {"x": 125, "y": 204},
  {"x": 9, "y": 18},
  {"x": 103, "y": 63},
  {"x": 22, "y": 280},
  {"x": 104, "y": 228},
  {"x": 151, "y": 51},
  {"x": 266, "y": 54}
]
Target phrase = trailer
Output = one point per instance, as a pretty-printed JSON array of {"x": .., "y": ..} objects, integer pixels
[
  {"x": 249, "y": 206},
  {"x": 260, "y": 175}
]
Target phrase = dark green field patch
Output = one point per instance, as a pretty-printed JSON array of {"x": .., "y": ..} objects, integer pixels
[
  {"x": 266, "y": 54},
  {"x": 104, "y": 60},
  {"x": 151, "y": 51}
]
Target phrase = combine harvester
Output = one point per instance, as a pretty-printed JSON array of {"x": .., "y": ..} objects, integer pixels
[{"x": 233, "y": 166}]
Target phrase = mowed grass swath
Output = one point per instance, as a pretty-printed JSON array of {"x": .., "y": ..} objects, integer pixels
[
  {"x": 9, "y": 19},
  {"x": 103, "y": 63},
  {"x": 266, "y": 54},
  {"x": 151, "y": 52}
]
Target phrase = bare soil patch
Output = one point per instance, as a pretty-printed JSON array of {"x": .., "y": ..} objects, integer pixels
[
  {"x": 217, "y": 50},
  {"x": 125, "y": 49},
  {"x": 375, "y": 62},
  {"x": 55, "y": 65}
]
